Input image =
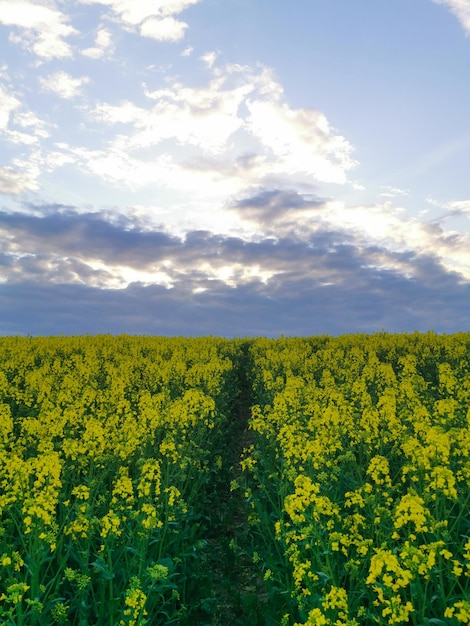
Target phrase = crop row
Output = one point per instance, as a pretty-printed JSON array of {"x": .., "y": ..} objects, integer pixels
[
  {"x": 108, "y": 452},
  {"x": 358, "y": 478}
]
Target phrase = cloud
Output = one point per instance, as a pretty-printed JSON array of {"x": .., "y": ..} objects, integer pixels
[
  {"x": 100, "y": 272},
  {"x": 30, "y": 121},
  {"x": 22, "y": 132},
  {"x": 301, "y": 139},
  {"x": 458, "y": 207},
  {"x": 63, "y": 85},
  {"x": 208, "y": 58},
  {"x": 393, "y": 192},
  {"x": 163, "y": 29},
  {"x": 372, "y": 301},
  {"x": 210, "y": 140},
  {"x": 205, "y": 117},
  {"x": 388, "y": 226},
  {"x": 460, "y": 8},
  {"x": 13, "y": 113},
  {"x": 103, "y": 43},
  {"x": 88, "y": 237},
  {"x": 322, "y": 252},
  {"x": 42, "y": 29},
  {"x": 8, "y": 104},
  {"x": 278, "y": 207},
  {"x": 15, "y": 181},
  {"x": 151, "y": 19}
]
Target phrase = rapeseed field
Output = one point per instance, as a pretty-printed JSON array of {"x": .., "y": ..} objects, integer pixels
[{"x": 133, "y": 485}]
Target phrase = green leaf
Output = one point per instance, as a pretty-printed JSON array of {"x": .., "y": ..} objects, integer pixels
[{"x": 101, "y": 567}]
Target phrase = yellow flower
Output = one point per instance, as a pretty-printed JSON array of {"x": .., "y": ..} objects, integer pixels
[
  {"x": 460, "y": 611},
  {"x": 379, "y": 471},
  {"x": 123, "y": 491},
  {"x": 457, "y": 568},
  {"x": 383, "y": 564},
  {"x": 396, "y": 612},
  {"x": 150, "y": 479},
  {"x": 411, "y": 509},
  {"x": 315, "y": 618},
  {"x": 441, "y": 479},
  {"x": 336, "y": 598},
  {"x": 134, "y": 602},
  {"x": 81, "y": 492},
  {"x": 110, "y": 524},
  {"x": 15, "y": 593}
]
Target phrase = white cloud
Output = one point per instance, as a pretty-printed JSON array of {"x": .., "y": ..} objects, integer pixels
[
  {"x": 460, "y": 8},
  {"x": 301, "y": 139},
  {"x": 382, "y": 223},
  {"x": 201, "y": 117},
  {"x": 165, "y": 29},
  {"x": 240, "y": 112},
  {"x": 382, "y": 228},
  {"x": 357, "y": 186},
  {"x": 8, "y": 104},
  {"x": 124, "y": 113},
  {"x": 197, "y": 147},
  {"x": 43, "y": 28},
  {"x": 64, "y": 85},
  {"x": 17, "y": 137},
  {"x": 27, "y": 119},
  {"x": 453, "y": 208},
  {"x": 56, "y": 159},
  {"x": 16, "y": 180},
  {"x": 152, "y": 19},
  {"x": 208, "y": 58},
  {"x": 460, "y": 207},
  {"x": 93, "y": 53},
  {"x": 103, "y": 38},
  {"x": 103, "y": 43},
  {"x": 114, "y": 166},
  {"x": 386, "y": 226},
  {"x": 393, "y": 192},
  {"x": 29, "y": 128}
]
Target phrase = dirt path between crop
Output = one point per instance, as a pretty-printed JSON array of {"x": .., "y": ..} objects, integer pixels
[{"x": 239, "y": 597}]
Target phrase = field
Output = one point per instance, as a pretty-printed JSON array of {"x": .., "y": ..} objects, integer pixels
[{"x": 290, "y": 481}]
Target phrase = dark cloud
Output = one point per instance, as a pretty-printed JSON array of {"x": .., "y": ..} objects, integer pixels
[
  {"x": 91, "y": 237},
  {"x": 375, "y": 300},
  {"x": 320, "y": 284},
  {"x": 270, "y": 206},
  {"x": 88, "y": 235}
]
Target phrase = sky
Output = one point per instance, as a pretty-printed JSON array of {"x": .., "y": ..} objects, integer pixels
[{"x": 234, "y": 167}]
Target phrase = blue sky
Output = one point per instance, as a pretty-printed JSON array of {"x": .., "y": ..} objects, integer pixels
[{"x": 234, "y": 167}]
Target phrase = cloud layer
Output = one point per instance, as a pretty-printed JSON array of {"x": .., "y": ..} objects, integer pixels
[{"x": 98, "y": 273}]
